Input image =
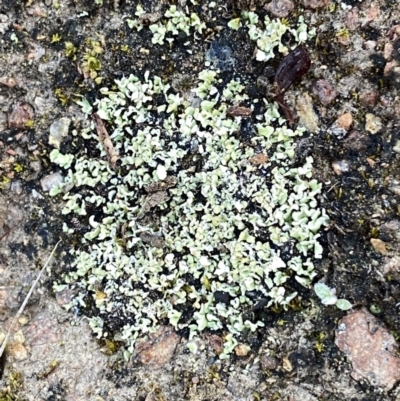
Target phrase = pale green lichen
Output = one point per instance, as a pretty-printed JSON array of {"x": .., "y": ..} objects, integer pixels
[
  {"x": 222, "y": 226},
  {"x": 219, "y": 228}
]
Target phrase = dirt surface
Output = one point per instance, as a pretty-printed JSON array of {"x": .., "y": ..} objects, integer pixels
[{"x": 348, "y": 102}]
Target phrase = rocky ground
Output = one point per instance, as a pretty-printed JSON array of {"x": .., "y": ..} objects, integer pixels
[{"x": 349, "y": 104}]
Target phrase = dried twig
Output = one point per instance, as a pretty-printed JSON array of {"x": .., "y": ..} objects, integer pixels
[
  {"x": 21, "y": 309},
  {"x": 112, "y": 155}
]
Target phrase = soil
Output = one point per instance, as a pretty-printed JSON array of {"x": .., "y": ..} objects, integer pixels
[{"x": 52, "y": 354}]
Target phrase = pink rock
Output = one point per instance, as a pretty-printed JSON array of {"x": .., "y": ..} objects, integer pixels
[
  {"x": 325, "y": 91},
  {"x": 20, "y": 115},
  {"x": 369, "y": 98},
  {"x": 370, "y": 349},
  {"x": 280, "y": 8},
  {"x": 352, "y": 19}
]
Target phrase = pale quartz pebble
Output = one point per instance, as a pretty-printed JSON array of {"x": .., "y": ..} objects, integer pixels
[
  {"x": 373, "y": 124},
  {"x": 161, "y": 172},
  {"x": 396, "y": 147},
  {"x": 18, "y": 351},
  {"x": 340, "y": 167},
  {"x": 51, "y": 180},
  {"x": 58, "y": 131}
]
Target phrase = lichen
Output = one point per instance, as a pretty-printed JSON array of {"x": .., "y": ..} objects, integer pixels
[{"x": 188, "y": 228}]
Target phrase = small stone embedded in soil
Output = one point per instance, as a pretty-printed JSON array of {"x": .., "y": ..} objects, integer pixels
[
  {"x": 216, "y": 343},
  {"x": 396, "y": 147},
  {"x": 369, "y": 98},
  {"x": 345, "y": 121},
  {"x": 58, "y": 131},
  {"x": 307, "y": 117},
  {"x": 379, "y": 246},
  {"x": 259, "y": 159},
  {"x": 280, "y": 8},
  {"x": 369, "y": 348},
  {"x": 373, "y": 124},
  {"x": 352, "y": 19},
  {"x": 268, "y": 362},
  {"x": 21, "y": 114},
  {"x": 242, "y": 350},
  {"x": 8, "y": 81},
  {"x": 51, "y": 180},
  {"x": 17, "y": 351},
  {"x": 157, "y": 353},
  {"x": 286, "y": 364},
  {"x": 340, "y": 167},
  {"x": 356, "y": 141},
  {"x": 325, "y": 91}
]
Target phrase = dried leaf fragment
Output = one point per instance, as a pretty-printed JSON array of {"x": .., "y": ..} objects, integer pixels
[
  {"x": 259, "y": 159},
  {"x": 239, "y": 111},
  {"x": 153, "y": 240},
  {"x": 292, "y": 67},
  {"x": 169, "y": 182},
  {"x": 112, "y": 155}
]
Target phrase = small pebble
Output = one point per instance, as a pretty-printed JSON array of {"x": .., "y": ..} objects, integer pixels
[
  {"x": 280, "y": 8},
  {"x": 396, "y": 147},
  {"x": 340, "y": 167},
  {"x": 345, "y": 121},
  {"x": 268, "y": 362},
  {"x": 51, "y": 180},
  {"x": 20, "y": 115},
  {"x": 18, "y": 351},
  {"x": 325, "y": 91},
  {"x": 379, "y": 246},
  {"x": 58, "y": 131},
  {"x": 369, "y": 98},
  {"x": 307, "y": 116},
  {"x": 373, "y": 124},
  {"x": 242, "y": 350}
]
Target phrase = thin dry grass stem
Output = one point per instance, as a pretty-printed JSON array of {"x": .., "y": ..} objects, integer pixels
[{"x": 21, "y": 309}]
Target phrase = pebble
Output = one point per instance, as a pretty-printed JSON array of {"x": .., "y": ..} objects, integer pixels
[
  {"x": 268, "y": 362},
  {"x": 17, "y": 351},
  {"x": 352, "y": 19},
  {"x": 159, "y": 351},
  {"x": 58, "y": 131},
  {"x": 325, "y": 91},
  {"x": 242, "y": 350},
  {"x": 216, "y": 342},
  {"x": 379, "y": 246},
  {"x": 369, "y": 98},
  {"x": 373, "y": 124},
  {"x": 345, "y": 121},
  {"x": 396, "y": 147},
  {"x": 340, "y": 167},
  {"x": 370, "y": 349},
  {"x": 51, "y": 180},
  {"x": 20, "y": 115},
  {"x": 280, "y": 8},
  {"x": 356, "y": 141},
  {"x": 8, "y": 81},
  {"x": 307, "y": 117}
]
